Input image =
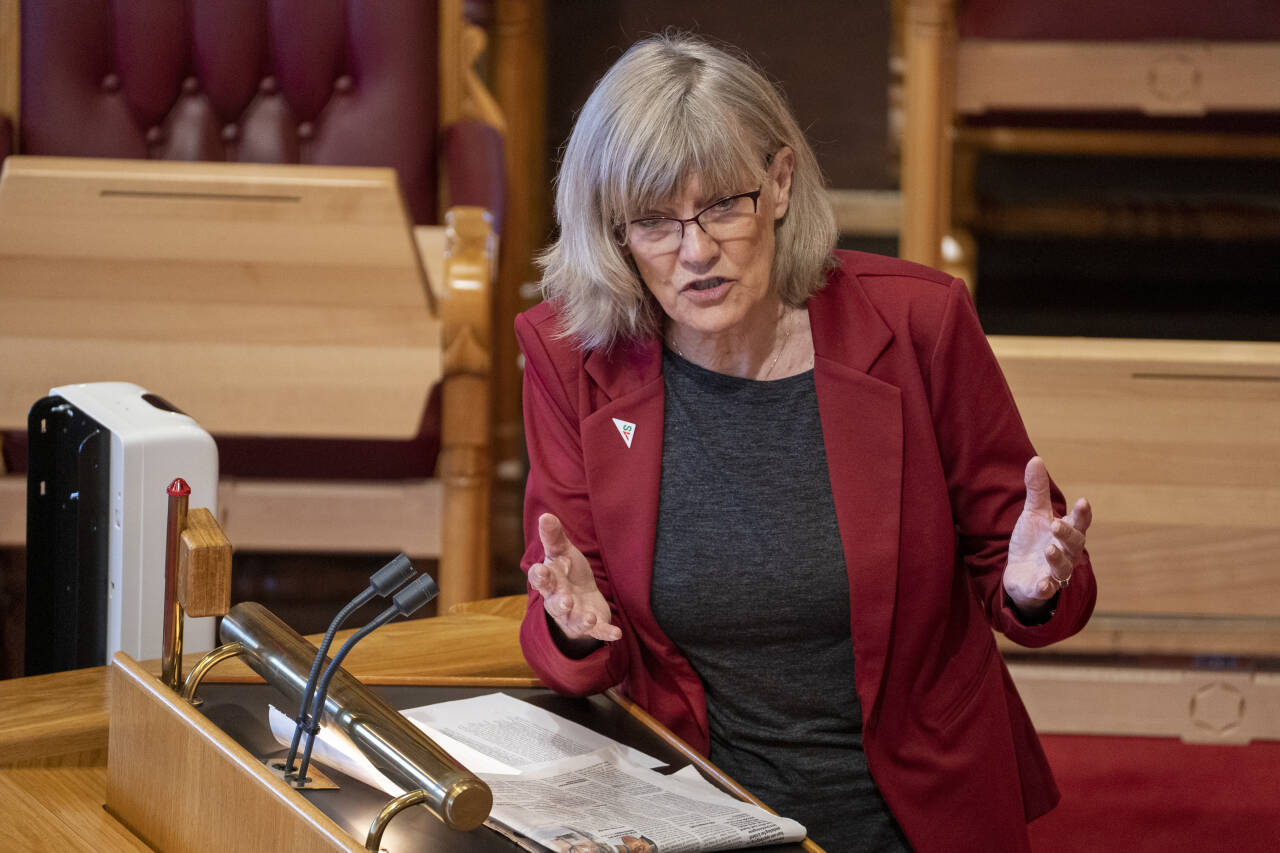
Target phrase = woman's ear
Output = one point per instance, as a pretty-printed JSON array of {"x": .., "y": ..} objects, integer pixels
[{"x": 784, "y": 163}]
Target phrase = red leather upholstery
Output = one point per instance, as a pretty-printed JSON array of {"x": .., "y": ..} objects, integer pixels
[
  {"x": 475, "y": 167},
  {"x": 1107, "y": 20},
  {"x": 337, "y": 82}
]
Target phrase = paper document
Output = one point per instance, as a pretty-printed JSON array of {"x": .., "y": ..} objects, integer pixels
[
  {"x": 603, "y": 803},
  {"x": 562, "y": 787},
  {"x": 513, "y": 732}
]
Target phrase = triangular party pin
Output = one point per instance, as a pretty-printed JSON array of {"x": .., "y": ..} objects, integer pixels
[{"x": 626, "y": 429}]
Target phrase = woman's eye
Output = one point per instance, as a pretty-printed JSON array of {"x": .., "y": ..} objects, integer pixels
[
  {"x": 724, "y": 204},
  {"x": 649, "y": 224}
]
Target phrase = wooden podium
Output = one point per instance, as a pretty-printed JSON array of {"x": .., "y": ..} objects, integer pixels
[{"x": 179, "y": 782}]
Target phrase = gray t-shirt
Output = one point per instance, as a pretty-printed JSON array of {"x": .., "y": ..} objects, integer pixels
[{"x": 749, "y": 581}]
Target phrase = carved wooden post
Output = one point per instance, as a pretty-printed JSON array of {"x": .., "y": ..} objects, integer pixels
[
  {"x": 470, "y": 250},
  {"x": 519, "y": 82},
  {"x": 926, "y": 144}
]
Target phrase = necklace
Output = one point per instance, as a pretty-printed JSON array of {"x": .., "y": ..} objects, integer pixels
[{"x": 785, "y": 337}]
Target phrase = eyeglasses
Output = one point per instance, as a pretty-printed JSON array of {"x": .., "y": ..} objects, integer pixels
[{"x": 727, "y": 219}]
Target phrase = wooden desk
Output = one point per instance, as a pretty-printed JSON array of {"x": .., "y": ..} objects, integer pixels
[{"x": 53, "y": 728}]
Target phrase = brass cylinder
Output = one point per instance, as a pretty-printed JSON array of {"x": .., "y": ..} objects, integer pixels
[
  {"x": 397, "y": 748},
  {"x": 171, "y": 640}
]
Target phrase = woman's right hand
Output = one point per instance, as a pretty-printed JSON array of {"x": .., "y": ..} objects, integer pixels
[{"x": 568, "y": 586}]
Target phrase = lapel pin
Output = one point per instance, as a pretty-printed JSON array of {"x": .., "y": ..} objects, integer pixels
[{"x": 626, "y": 429}]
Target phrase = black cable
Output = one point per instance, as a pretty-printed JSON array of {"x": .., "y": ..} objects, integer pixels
[
  {"x": 382, "y": 583},
  {"x": 404, "y": 603}
]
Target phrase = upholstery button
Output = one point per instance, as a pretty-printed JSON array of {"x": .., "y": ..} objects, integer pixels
[
  {"x": 305, "y": 130},
  {"x": 191, "y": 85},
  {"x": 230, "y": 133},
  {"x": 344, "y": 84},
  {"x": 267, "y": 85},
  {"x": 111, "y": 83},
  {"x": 155, "y": 135}
]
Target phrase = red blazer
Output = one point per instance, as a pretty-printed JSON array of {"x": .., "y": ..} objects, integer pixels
[{"x": 926, "y": 453}]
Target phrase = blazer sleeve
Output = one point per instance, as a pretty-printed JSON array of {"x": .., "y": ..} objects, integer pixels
[
  {"x": 558, "y": 484},
  {"x": 985, "y": 449}
]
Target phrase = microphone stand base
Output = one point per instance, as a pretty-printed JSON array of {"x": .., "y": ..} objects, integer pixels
[{"x": 316, "y": 781}]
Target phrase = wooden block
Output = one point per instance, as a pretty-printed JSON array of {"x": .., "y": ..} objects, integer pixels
[{"x": 204, "y": 566}]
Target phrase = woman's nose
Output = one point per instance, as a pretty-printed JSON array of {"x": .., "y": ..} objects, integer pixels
[{"x": 696, "y": 246}]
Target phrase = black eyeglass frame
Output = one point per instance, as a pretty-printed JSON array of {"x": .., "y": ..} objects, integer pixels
[{"x": 754, "y": 195}]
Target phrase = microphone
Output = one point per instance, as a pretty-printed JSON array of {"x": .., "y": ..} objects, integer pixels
[
  {"x": 404, "y": 603},
  {"x": 382, "y": 583}
]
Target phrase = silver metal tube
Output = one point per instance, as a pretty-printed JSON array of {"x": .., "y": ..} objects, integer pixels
[{"x": 396, "y": 747}]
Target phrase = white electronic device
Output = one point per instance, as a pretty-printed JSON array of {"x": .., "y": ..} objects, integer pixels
[{"x": 102, "y": 456}]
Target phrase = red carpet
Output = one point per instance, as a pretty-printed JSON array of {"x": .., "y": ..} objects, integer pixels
[{"x": 1137, "y": 794}]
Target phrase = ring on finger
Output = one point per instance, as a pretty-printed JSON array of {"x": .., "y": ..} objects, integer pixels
[{"x": 1061, "y": 582}]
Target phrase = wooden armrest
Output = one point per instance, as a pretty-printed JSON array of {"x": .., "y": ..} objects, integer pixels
[{"x": 470, "y": 262}]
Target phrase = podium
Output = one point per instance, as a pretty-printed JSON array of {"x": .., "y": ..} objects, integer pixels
[
  {"x": 54, "y": 748},
  {"x": 183, "y": 778}
]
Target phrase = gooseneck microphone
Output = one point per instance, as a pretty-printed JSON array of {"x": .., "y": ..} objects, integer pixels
[
  {"x": 404, "y": 603},
  {"x": 382, "y": 583}
]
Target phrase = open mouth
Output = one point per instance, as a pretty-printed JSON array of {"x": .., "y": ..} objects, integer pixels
[{"x": 706, "y": 284}]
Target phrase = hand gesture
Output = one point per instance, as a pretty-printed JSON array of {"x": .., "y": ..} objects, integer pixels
[
  {"x": 568, "y": 586},
  {"x": 1043, "y": 550}
]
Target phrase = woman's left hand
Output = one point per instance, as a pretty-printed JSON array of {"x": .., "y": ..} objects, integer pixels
[{"x": 1043, "y": 550}]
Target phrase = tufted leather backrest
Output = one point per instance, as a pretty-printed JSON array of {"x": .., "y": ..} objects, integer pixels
[{"x": 334, "y": 82}]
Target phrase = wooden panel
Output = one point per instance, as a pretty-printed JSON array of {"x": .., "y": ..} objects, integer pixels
[
  {"x": 269, "y": 300},
  {"x": 1198, "y": 706},
  {"x": 30, "y": 826},
  {"x": 867, "y": 213},
  {"x": 1166, "y": 635},
  {"x": 66, "y": 807},
  {"x": 1177, "y": 444},
  {"x": 154, "y": 736},
  {"x": 1172, "y": 78},
  {"x": 50, "y": 717},
  {"x": 332, "y": 516}
]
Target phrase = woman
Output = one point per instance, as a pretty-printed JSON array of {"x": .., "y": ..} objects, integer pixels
[{"x": 780, "y": 494}]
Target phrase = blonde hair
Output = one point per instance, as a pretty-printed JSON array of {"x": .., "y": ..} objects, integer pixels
[{"x": 673, "y": 106}]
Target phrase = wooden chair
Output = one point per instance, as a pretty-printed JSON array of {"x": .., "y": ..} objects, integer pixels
[
  {"x": 388, "y": 84},
  {"x": 1079, "y": 78}
]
